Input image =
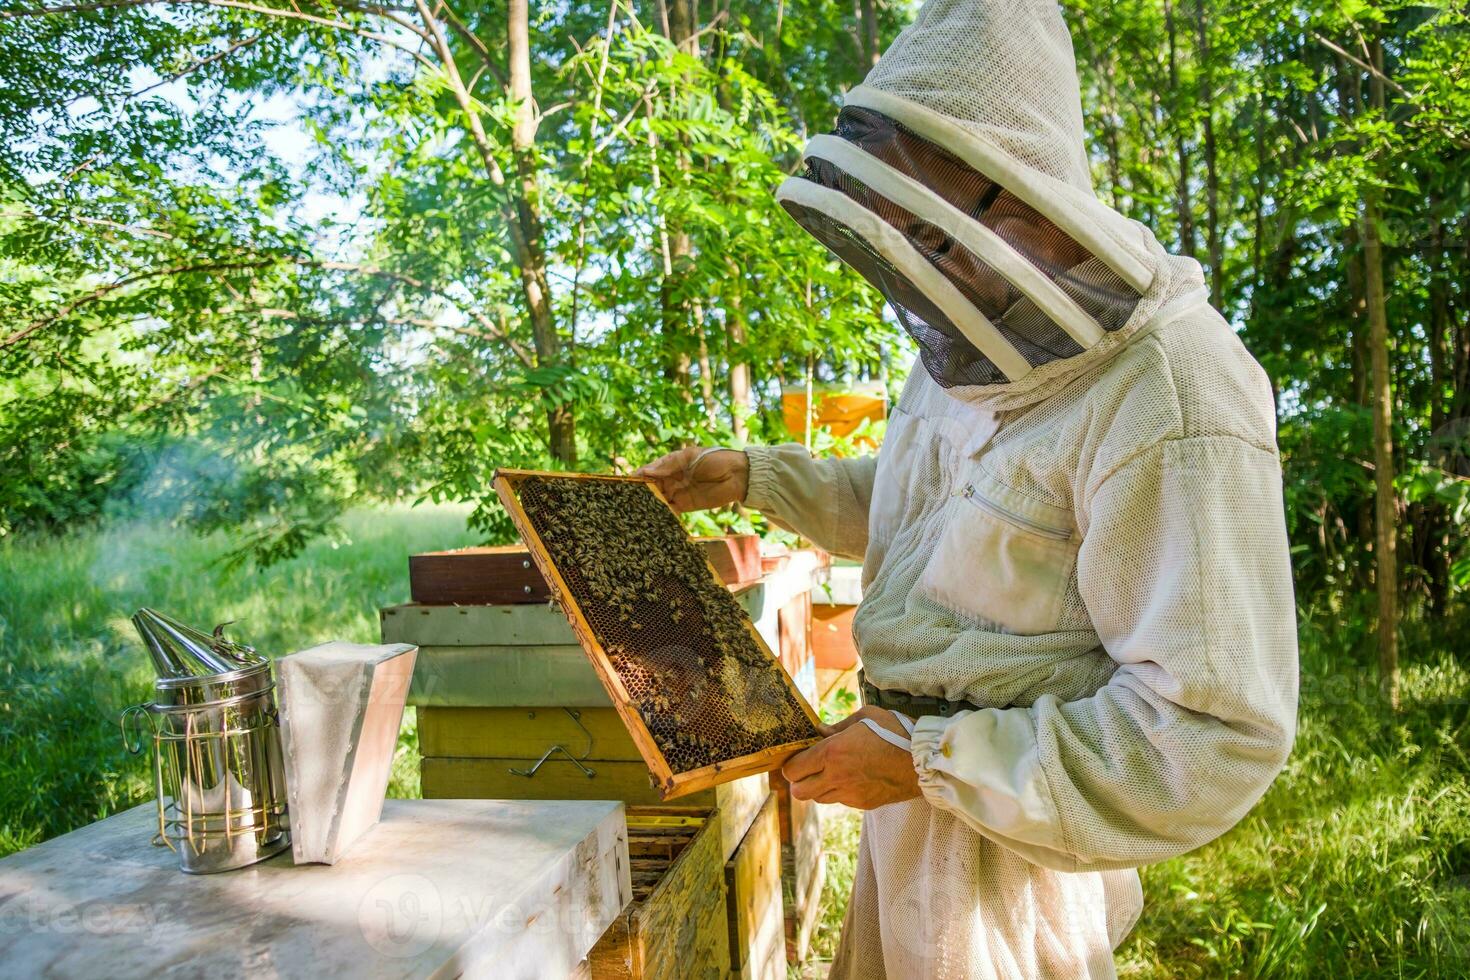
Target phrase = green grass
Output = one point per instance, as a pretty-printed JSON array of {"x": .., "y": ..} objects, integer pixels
[
  {"x": 840, "y": 831},
  {"x": 1356, "y": 864},
  {"x": 70, "y": 660}
]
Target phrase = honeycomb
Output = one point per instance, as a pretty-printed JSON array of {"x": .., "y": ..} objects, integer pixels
[{"x": 678, "y": 640}]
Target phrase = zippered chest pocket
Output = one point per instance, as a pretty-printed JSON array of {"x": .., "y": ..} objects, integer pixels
[{"x": 1002, "y": 561}]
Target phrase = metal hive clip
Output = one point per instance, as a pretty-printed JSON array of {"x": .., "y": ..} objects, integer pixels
[{"x": 576, "y": 717}]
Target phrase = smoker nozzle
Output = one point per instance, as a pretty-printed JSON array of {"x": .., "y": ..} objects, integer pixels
[{"x": 182, "y": 651}]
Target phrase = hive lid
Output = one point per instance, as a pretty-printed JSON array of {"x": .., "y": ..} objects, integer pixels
[{"x": 182, "y": 651}]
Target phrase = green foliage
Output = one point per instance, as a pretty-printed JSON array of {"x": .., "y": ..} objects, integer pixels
[
  {"x": 172, "y": 280},
  {"x": 1248, "y": 135},
  {"x": 1354, "y": 864}
]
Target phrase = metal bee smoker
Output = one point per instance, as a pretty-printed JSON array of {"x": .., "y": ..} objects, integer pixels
[{"x": 216, "y": 737}]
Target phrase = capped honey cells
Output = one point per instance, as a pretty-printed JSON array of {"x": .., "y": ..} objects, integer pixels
[{"x": 678, "y": 640}]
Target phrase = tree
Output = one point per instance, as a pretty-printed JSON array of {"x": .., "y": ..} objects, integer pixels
[{"x": 500, "y": 262}]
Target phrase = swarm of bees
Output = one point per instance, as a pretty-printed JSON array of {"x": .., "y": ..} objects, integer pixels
[{"x": 679, "y": 642}]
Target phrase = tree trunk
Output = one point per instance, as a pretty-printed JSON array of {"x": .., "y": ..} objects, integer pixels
[
  {"x": 678, "y": 17},
  {"x": 1258, "y": 244},
  {"x": 739, "y": 377},
  {"x": 1385, "y": 522},
  {"x": 523, "y": 214},
  {"x": 1460, "y": 341},
  {"x": 1349, "y": 97},
  {"x": 560, "y": 421},
  {"x": 1439, "y": 320},
  {"x": 706, "y": 374},
  {"x": 1103, "y": 68},
  {"x": 870, "y": 34},
  {"x": 1212, "y": 174},
  {"x": 1185, "y": 204}
]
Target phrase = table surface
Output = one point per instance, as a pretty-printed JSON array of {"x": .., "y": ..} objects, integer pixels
[{"x": 438, "y": 888}]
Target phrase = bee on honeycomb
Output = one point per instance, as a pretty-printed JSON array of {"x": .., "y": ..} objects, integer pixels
[{"x": 679, "y": 641}]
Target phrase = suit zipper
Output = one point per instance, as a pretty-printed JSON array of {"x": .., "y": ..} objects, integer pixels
[{"x": 1010, "y": 516}]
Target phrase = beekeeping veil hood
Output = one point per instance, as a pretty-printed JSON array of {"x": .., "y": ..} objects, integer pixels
[{"x": 957, "y": 183}]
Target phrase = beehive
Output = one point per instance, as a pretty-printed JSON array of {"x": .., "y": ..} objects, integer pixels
[
  {"x": 753, "y": 883},
  {"x": 834, "y": 649},
  {"x": 803, "y": 866},
  {"x": 701, "y": 694},
  {"x": 496, "y": 688},
  {"x": 676, "y": 925},
  {"x": 505, "y": 575}
]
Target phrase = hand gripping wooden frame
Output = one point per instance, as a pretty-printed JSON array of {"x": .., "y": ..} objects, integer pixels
[{"x": 669, "y": 783}]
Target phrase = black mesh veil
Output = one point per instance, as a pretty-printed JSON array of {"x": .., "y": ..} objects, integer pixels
[{"x": 950, "y": 358}]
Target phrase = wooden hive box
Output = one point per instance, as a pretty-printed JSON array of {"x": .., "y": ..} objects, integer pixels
[
  {"x": 676, "y": 926},
  {"x": 753, "y": 884},
  {"x": 484, "y": 753},
  {"x": 782, "y": 614},
  {"x": 505, "y": 574},
  {"x": 835, "y": 600},
  {"x": 495, "y": 686},
  {"x": 803, "y": 866},
  {"x": 527, "y": 654}
]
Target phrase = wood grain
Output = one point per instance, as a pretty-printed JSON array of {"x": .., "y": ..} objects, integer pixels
[
  {"x": 524, "y": 733},
  {"x": 832, "y": 640},
  {"x": 736, "y": 803},
  {"x": 679, "y": 930},
  {"x": 506, "y": 574},
  {"x": 803, "y": 866},
  {"x": 735, "y": 557},
  {"x": 486, "y": 575},
  {"x": 755, "y": 915}
]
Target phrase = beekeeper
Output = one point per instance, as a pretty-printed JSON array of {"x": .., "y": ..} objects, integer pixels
[{"x": 1077, "y": 627}]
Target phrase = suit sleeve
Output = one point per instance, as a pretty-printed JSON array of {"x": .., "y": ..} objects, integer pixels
[
  {"x": 1185, "y": 571},
  {"x": 823, "y": 500}
]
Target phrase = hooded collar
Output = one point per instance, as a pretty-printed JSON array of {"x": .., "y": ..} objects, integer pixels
[{"x": 993, "y": 86}]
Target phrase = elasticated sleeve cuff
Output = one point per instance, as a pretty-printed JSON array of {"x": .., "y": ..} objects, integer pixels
[
  {"x": 761, "y": 477},
  {"x": 983, "y": 767}
]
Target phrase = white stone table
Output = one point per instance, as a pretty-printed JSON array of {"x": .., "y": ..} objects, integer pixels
[{"x": 438, "y": 888}]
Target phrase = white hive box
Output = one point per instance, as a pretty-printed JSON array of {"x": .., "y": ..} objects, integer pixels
[{"x": 341, "y": 708}]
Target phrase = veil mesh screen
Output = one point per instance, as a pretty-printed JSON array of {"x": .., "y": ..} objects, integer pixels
[
  {"x": 1018, "y": 319},
  {"x": 1102, "y": 293},
  {"x": 679, "y": 641},
  {"x": 949, "y": 358},
  {"x": 948, "y": 355}
]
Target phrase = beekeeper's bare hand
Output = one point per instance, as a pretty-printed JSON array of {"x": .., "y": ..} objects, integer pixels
[
  {"x": 697, "y": 478},
  {"x": 852, "y": 765}
]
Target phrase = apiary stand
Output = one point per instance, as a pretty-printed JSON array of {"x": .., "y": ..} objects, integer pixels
[{"x": 468, "y": 888}]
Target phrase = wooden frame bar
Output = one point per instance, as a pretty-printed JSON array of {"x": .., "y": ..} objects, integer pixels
[{"x": 669, "y": 784}]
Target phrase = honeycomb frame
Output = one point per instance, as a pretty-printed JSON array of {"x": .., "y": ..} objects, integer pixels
[{"x": 662, "y": 747}]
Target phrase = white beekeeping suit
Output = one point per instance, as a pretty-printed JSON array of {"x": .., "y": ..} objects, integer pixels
[{"x": 1074, "y": 526}]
